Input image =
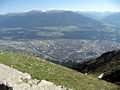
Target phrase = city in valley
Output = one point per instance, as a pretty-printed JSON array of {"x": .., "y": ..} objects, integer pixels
[{"x": 66, "y": 52}]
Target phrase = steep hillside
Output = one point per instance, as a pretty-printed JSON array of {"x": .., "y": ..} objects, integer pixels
[
  {"x": 60, "y": 75},
  {"x": 108, "y": 63}
]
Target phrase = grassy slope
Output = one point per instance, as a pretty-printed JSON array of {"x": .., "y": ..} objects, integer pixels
[{"x": 60, "y": 75}]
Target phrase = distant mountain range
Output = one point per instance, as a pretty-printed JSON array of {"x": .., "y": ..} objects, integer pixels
[
  {"x": 95, "y": 15},
  {"x": 50, "y": 18},
  {"x": 55, "y": 24},
  {"x": 113, "y": 19}
]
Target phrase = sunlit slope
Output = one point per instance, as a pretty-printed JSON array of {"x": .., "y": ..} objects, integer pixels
[{"x": 60, "y": 75}]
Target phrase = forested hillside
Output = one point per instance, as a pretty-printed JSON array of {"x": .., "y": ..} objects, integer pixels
[{"x": 108, "y": 63}]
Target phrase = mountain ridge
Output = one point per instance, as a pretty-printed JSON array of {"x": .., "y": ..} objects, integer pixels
[
  {"x": 113, "y": 19},
  {"x": 51, "y": 18},
  {"x": 54, "y": 25}
]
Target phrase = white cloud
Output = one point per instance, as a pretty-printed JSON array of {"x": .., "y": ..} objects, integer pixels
[
  {"x": 83, "y": 10},
  {"x": 101, "y": 10}
]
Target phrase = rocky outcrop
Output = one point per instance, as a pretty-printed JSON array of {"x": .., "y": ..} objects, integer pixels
[{"x": 12, "y": 79}]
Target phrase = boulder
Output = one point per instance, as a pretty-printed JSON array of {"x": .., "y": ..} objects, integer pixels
[{"x": 12, "y": 79}]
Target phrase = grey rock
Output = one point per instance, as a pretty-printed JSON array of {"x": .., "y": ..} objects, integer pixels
[
  {"x": 12, "y": 79},
  {"x": 26, "y": 76}
]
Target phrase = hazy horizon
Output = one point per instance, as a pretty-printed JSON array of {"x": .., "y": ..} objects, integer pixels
[
  {"x": 43, "y": 10},
  {"x": 9, "y": 6}
]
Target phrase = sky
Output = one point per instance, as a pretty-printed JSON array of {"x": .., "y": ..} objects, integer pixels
[{"x": 8, "y": 6}]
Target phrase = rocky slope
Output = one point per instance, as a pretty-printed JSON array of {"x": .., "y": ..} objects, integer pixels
[{"x": 12, "y": 79}]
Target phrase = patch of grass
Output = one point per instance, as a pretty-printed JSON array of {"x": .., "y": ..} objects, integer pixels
[
  {"x": 49, "y": 33},
  {"x": 65, "y": 28},
  {"x": 60, "y": 75}
]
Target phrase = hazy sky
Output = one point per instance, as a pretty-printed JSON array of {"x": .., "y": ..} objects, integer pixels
[{"x": 27, "y": 5}]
